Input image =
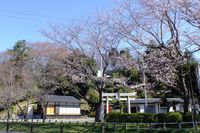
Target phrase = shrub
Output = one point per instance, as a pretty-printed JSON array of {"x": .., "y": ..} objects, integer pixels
[
  {"x": 144, "y": 117},
  {"x": 147, "y": 118},
  {"x": 187, "y": 117},
  {"x": 161, "y": 117},
  {"x": 113, "y": 117},
  {"x": 92, "y": 114},
  {"x": 174, "y": 117},
  {"x": 136, "y": 117},
  {"x": 124, "y": 117},
  {"x": 198, "y": 117}
]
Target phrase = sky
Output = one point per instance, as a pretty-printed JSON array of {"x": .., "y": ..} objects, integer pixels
[{"x": 25, "y": 19}]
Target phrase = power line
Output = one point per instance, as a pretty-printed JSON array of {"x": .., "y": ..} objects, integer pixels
[
  {"x": 35, "y": 15},
  {"x": 22, "y": 18}
]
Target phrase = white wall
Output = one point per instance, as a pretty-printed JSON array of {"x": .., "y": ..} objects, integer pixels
[
  {"x": 68, "y": 110},
  {"x": 171, "y": 109},
  {"x": 156, "y": 108},
  {"x": 141, "y": 108},
  {"x": 178, "y": 107}
]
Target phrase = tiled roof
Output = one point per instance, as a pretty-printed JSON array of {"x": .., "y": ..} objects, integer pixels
[
  {"x": 149, "y": 100},
  {"x": 56, "y": 98}
]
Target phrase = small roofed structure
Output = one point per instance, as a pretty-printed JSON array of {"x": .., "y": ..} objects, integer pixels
[
  {"x": 149, "y": 105},
  {"x": 62, "y": 107},
  {"x": 157, "y": 105}
]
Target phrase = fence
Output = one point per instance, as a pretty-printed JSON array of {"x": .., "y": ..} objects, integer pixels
[
  {"x": 61, "y": 127},
  {"x": 155, "y": 126}
]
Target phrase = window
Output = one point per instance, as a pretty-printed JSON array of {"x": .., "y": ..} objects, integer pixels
[
  {"x": 133, "y": 109},
  {"x": 50, "y": 110},
  {"x": 151, "y": 109},
  {"x": 163, "y": 109}
]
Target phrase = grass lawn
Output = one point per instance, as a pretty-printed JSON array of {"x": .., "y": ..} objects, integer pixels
[{"x": 83, "y": 128}]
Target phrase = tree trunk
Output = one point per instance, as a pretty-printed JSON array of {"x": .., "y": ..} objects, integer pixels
[
  {"x": 186, "y": 104},
  {"x": 186, "y": 95},
  {"x": 100, "y": 109},
  {"x": 8, "y": 113},
  {"x": 22, "y": 112},
  {"x": 20, "y": 108},
  {"x": 44, "y": 108},
  {"x": 26, "y": 111}
]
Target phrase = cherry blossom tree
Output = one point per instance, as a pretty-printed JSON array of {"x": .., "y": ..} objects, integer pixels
[
  {"x": 167, "y": 25},
  {"x": 89, "y": 45}
]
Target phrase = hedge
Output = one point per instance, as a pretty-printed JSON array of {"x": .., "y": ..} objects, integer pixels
[
  {"x": 174, "y": 117},
  {"x": 113, "y": 117},
  {"x": 144, "y": 117},
  {"x": 188, "y": 117},
  {"x": 161, "y": 117},
  {"x": 134, "y": 117},
  {"x": 137, "y": 117}
]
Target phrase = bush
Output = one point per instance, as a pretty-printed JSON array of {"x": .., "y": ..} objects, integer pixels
[
  {"x": 162, "y": 117},
  {"x": 144, "y": 117},
  {"x": 147, "y": 118},
  {"x": 187, "y": 117},
  {"x": 124, "y": 117},
  {"x": 198, "y": 117},
  {"x": 174, "y": 117},
  {"x": 92, "y": 114},
  {"x": 118, "y": 117},
  {"x": 136, "y": 117},
  {"x": 113, "y": 117}
]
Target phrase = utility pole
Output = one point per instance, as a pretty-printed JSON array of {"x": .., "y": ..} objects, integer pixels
[
  {"x": 191, "y": 93},
  {"x": 194, "y": 111},
  {"x": 145, "y": 91}
]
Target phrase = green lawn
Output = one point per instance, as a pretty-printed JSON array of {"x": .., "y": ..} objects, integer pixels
[{"x": 85, "y": 128}]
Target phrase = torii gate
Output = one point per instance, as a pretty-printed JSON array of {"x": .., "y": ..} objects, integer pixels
[{"x": 117, "y": 96}]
